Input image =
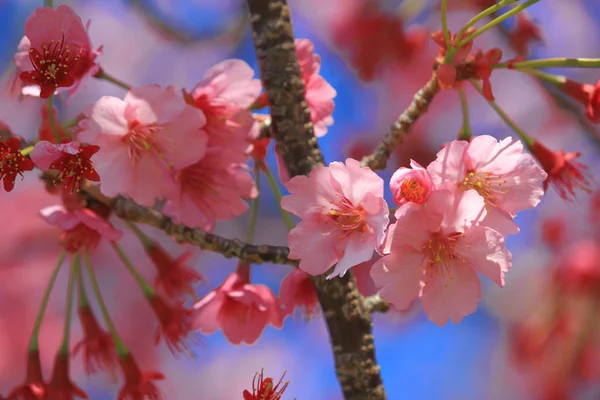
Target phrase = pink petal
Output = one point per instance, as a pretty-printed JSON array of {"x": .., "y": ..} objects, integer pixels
[
  {"x": 314, "y": 245},
  {"x": 58, "y": 216},
  {"x": 230, "y": 81},
  {"x": 467, "y": 209},
  {"x": 206, "y": 312},
  {"x": 413, "y": 227},
  {"x": 256, "y": 322},
  {"x": 98, "y": 224},
  {"x": 46, "y": 24},
  {"x": 485, "y": 251},
  {"x": 44, "y": 154},
  {"x": 359, "y": 248},
  {"x": 452, "y": 296},
  {"x": 449, "y": 165},
  {"x": 485, "y": 153},
  {"x": 356, "y": 181},
  {"x": 106, "y": 116},
  {"x": 272, "y": 304},
  {"x": 309, "y": 195},
  {"x": 399, "y": 277},
  {"x": 183, "y": 142},
  {"x": 153, "y": 180},
  {"x": 501, "y": 221},
  {"x": 155, "y": 105}
]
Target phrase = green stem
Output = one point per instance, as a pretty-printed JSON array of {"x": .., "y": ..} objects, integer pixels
[
  {"x": 27, "y": 150},
  {"x": 254, "y": 212},
  {"x": 287, "y": 219},
  {"x": 33, "y": 343},
  {"x": 109, "y": 78},
  {"x": 465, "y": 131},
  {"x": 51, "y": 117},
  {"x": 528, "y": 141},
  {"x": 82, "y": 295},
  {"x": 121, "y": 348},
  {"x": 445, "y": 25},
  {"x": 71, "y": 123},
  {"x": 146, "y": 241},
  {"x": 553, "y": 63},
  {"x": 48, "y": 3},
  {"x": 556, "y": 80},
  {"x": 64, "y": 347},
  {"x": 485, "y": 13},
  {"x": 147, "y": 289},
  {"x": 496, "y": 21}
]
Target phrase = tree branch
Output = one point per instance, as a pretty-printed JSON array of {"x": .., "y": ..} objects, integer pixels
[
  {"x": 348, "y": 319},
  {"x": 402, "y": 126}
]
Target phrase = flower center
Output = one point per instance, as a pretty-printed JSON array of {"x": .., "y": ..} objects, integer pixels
[
  {"x": 440, "y": 252},
  {"x": 141, "y": 140},
  {"x": 54, "y": 62},
  {"x": 72, "y": 169},
  {"x": 346, "y": 215},
  {"x": 412, "y": 191},
  {"x": 486, "y": 184}
]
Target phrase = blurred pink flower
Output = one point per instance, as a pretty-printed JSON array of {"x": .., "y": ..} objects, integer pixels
[
  {"x": 141, "y": 139},
  {"x": 175, "y": 324},
  {"x": 298, "y": 291},
  {"x": 411, "y": 184},
  {"x": 71, "y": 159},
  {"x": 240, "y": 309},
  {"x": 138, "y": 384},
  {"x": 97, "y": 346},
  {"x": 56, "y": 51},
  {"x": 60, "y": 386},
  {"x": 508, "y": 179},
  {"x": 319, "y": 94},
  {"x": 344, "y": 217},
  {"x": 435, "y": 253},
  {"x": 174, "y": 277}
]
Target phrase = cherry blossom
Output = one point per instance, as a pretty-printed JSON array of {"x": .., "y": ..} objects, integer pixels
[
  {"x": 97, "y": 346},
  {"x": 142, "y": 139},
  {"x": 138, "y": 384},
  {"x": 411, "y": 184},
  {"x": 12, "y": 163},
  {"x": 60, "y": 386},
  {"x": 508, "y": 179},
  {"x": 344, "y": 217},
  {"x": 435, "y": 252},
  {"x": 298, "y": 291},
  {"x": 264, "y": 389}
]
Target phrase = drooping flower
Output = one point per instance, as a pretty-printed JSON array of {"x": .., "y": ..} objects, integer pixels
[
  {"x": 34, "y": 387},
  {"x": 447, "y": 74},
  {"x": 586, "y": 94},
  {"x": 174, "y": 278},
  {"x": 435, "y": 252},
  {"x": 344, "y": 217},
  {"x": 240, "y": 309},
  {"x": 319, "y": 93},
  {"x": 59, "y": 50},
  {"x": 12, "y": 162},
  {"x": 502, "y": 174},
  {"x": 138, "y": 385},
  {"x": 97, "y": 346},
  {"x": 224, "y": 95},
  {"x": 411, "y": 184},
  {"x": 175, "y": 325},
  {"x": 376, "y": 40},
  {"x": 264, "y": 389},
  {"x": 61, "y": 387},
  {"x": 564, "y": 173},
  {"x": 83, "y": 228},
  {"x": 297, "y": 290},
  {"x": 71, "y": 159},
  {"x": 142, "y": 139},
  {"x": 523, "y": 33},
  {"x": 482, "y": 63},
  {"x": 212, "y": 189}
]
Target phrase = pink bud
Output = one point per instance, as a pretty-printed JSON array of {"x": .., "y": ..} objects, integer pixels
[{"x": 411, "y": 184}]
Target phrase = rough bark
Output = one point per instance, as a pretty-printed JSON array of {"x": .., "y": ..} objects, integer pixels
[{"x": 347, "y": 317}]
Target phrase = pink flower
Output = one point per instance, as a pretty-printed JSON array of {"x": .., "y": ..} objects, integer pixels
[
  {"x": 72, "y": 160},
  {"x": 240, "y": 309},
  {"x": 507, "y": 179},
  {"x": 58, "y": 48},
  {"x": 319, "y": 94},
  {"x": 142, "y": 139},
  {"x": 344, "y": 217},
  {"x": 435, "y": 253},
  {"x": 83, "y": 228},
  {"x": 297, "y": 290},
  {"x": 212, "y": 189},
  {"x": 411, "y": 184},
  {"x": 224, "y": 95}
]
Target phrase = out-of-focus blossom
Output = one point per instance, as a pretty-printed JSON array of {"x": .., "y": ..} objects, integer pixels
[
  {"x": 447, "y": 73},
  {"x": 482, "y": 63},
  {"x": 523, "y": 33},
  {"x": 411, "y": 184},
  {"x": 60, "y": 386},
  {"x": 142, "y": 139},
  {"x": 319, "y": 93},
  {"x": 97, "y": 346},
  {"x": 71, "y": 159},
  {"x": 138, "y": 385},
  {"x": 175, "y": 324},
  {"x": 56, "y": 51},
  {"x": 12, "y": 162},
  {"x": 564, "y": 173},
  {"x": 34, "y": 387},
  {"x": 264, "y": 389},
  {"x": 237, "y": 307},
  {"x": 500, "y": 172},
  {"x": 436, "y": 251},
  {"x": 174, "y": 277},
  {"x": 586, "y": 94},
  {"x": 344, "y": 217},
  {"x": 298, "y": 291}
]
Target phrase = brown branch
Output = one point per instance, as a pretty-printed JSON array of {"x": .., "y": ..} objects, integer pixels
[
  {"x": 376, "y": 304},
  {"x": 348, "y": 319},
  {"x": 402, "y": 126}
]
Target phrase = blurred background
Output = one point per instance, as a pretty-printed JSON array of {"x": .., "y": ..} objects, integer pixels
[{"x": 514, "y": 347}]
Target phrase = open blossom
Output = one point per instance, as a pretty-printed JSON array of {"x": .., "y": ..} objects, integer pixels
[
  {"x": 174, "y": 322},
  {"x": 240, "y": 309},
  {"x": 71, "y": 159},
  {"x": 564, "y": 173},
  {"x": 319, "y": 94},
  {"x": 298, "y": 290},
  {"x": 483, "y": 63},
  {"x": 12, "y": 163},
  {"x": 83, "y": 228},
  {"x": 58, "y": 47},
  {"x": 174, "y": 277},
  {"x": 264, "y": 389},
  {"x": 508, "y": 179},
  {"x": 344, "y": 217},
  {"x": 411, "y": 184},
  {"x": 435, "y": 253},
  {"x": 97, "y": 346},
  {"x": 142, "y": 139},
  {"x": 224, "y": 95}
]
